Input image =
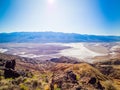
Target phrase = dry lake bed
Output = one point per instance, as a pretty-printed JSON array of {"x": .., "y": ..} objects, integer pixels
[{"x": 87, "y": 52}]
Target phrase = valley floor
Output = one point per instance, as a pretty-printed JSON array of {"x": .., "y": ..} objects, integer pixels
[{"x": 87, "y": 52}]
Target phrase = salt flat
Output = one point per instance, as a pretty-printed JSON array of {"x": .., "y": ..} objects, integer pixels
[
  {"x": 3, "y": 50},
  {"x": 78, "y": 50},
  {"x": 87, "y": 52}
]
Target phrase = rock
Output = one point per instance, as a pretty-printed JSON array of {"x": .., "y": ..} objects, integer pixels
[
  {"x": 13, "y": 64},
  {"x": 106, "y": 70},
  {"x": 79, "y": 88},
  {"x": 25, "y": 73},
  {"x": 99, "y": 86},
  {"x": 71, "y": 76},
  {"x": 64, "y": 59},
  {"x": 65, "y": 80},
  {"x": 92, "y": 80},
  {"x": 10, "y": 64},
  {"x": 2, "y": 62},
  {"x": 8, "y": 73},
  {"x": 96, "y": 83}
]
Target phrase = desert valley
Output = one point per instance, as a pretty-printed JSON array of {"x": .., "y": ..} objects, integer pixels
[
  {"x": 59, "y": 44},
  {"x": 59, "y": 65},
  {"x": 86, "y": 52}
]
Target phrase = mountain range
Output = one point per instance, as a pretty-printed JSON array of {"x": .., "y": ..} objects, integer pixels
[{"x": 52, "y": 37}]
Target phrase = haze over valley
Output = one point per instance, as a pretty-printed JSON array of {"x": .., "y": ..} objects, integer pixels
[{"x": 87, "y": 52}]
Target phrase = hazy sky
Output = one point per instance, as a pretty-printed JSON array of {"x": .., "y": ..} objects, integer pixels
[{"x": 74, "y": 16}]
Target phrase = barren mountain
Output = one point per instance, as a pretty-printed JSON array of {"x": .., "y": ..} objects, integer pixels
[{"x": 48, "y": 37}]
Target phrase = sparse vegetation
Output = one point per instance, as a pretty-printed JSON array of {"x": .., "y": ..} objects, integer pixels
[
  {"x": 49, "y": 75},
  {"x": 23, "y": 87}
]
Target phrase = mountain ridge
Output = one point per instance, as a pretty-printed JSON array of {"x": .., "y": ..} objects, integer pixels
[{"x": 53, "y": 37}]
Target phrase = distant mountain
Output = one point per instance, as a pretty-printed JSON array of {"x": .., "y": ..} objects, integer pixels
[{"x": 51, "y": 37}]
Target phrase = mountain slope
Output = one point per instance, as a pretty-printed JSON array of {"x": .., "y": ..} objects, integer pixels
[
  {"x": 48, "y": 75},
  {"x": 47, "y": 37}
]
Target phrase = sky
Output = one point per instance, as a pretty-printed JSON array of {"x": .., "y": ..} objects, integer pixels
[{"x": 98, "y": 17}]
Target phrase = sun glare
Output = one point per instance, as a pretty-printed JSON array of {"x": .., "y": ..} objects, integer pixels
[{"x": 51, "y": 1}]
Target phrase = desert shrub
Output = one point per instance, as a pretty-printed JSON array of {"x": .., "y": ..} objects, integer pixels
[
  {"x": 109, "y": 86},
  {"x": 1, "y": 77},
  {"x": 37, "y": 89},
  {"x": 29, "y": 74},
  {"x": 5, "y": 87},
  {"x": 44, "y": 78},
  {"x": 6, "y": 82},
  {"x": 19, "y": 80},
  {"x": 77, "y": 77},
  {"x": 25, "y": 73},
  {"x": 23, "y": 87},
  {"x": 35, "y": 84},
  {"x": 56, "y": 87},
  {"x": 1, "y": 73},
  {"x": 47, "y": 87}
]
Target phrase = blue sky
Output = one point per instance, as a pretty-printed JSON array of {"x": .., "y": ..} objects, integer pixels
[{"x": 100, "y": 17}]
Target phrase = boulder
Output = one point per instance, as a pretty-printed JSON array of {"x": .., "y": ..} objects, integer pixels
[
  {"x": 96, "y": 83},
  {"x": 9, "y": 71},
  {"x": 92, "y": 80},
  {"x": 71, "y": 76},
  {"x": 10, "y": 64}
]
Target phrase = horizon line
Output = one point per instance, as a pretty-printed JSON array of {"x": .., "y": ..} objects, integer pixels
[{"x": 58, "y": 32}]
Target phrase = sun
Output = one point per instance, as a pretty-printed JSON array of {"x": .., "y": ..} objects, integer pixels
[{"x": 51, "y": 1}]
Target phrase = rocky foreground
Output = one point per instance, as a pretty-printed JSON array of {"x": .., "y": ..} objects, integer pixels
[{"x": 17, "y": 73}]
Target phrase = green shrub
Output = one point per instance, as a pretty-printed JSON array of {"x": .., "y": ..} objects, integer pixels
[
  {"x": 35, "y": 84},
  {"x": 23, "y": 87}
]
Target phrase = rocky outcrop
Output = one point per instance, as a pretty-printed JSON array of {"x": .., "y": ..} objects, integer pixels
[
  {"x": 76, "y": 77},
  {"x": 64, "y": 80},
  {"x": 9, "y": 71},
  {"x": 110, "y": 62},
  {"x": 64, "y": 59},
  {"x": 111, "y": 68},
  {"x": 96, "y": 83},
  {"x": 10, "y": 64}
]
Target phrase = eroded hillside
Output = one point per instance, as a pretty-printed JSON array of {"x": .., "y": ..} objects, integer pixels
[{"x": 49, "y": 75}]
